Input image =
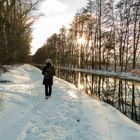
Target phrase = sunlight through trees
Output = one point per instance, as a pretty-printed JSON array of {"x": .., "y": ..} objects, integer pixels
[{"x": 112, "y": 37}]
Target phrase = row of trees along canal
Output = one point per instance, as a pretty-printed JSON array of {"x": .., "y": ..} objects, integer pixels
[
  {"x": 16, "y": 18},
  {"x": 104, "y": 35}
]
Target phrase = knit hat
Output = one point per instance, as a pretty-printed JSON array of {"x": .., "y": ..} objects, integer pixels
[{"x": 49, "y": 61}]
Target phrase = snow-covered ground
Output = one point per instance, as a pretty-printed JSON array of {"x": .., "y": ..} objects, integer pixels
[{"x": 68, "y": 115}]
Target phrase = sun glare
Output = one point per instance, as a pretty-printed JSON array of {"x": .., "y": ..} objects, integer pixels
[{"x": 81, "y": 40}]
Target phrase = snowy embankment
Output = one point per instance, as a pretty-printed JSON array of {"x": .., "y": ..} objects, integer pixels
[
  {"x": 133, "y": 75},
  {"x": 68, "y": 115}
]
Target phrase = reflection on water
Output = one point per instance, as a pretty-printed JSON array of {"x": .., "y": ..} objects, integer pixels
[
  {"x": 1, "y": 102},
  {"x": 122, "y": 94}
]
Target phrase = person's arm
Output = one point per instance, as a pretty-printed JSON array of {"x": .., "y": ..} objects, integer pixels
[
  {"x": 43, "y": 71},
  {"x": 53, "y": 70}
]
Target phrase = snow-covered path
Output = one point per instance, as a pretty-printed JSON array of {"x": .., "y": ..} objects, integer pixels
[{"x": 68, "y": 115}]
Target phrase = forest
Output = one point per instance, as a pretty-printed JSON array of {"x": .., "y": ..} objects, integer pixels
[
  {"x": 105, "y": 34},
  {"x": 16, "y": 19}
]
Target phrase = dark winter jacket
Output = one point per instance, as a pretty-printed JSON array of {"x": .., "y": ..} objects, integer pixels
[{"x": 48, "y": 72}]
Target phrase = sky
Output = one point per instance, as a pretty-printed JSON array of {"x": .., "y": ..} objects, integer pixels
[
  {"x": 69, "y": 114},
  {"x": 56, "y": 13}
]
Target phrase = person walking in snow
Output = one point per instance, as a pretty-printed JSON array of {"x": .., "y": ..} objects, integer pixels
[{"x": 48, "y": 72}]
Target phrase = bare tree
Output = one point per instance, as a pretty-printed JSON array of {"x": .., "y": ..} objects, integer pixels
[{"x": 15, "y": 25}]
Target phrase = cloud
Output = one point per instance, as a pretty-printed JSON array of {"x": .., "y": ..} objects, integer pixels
[{"x": 52, "y": 7}]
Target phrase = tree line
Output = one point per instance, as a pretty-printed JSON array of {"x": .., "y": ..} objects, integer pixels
[
  {"x": 16, "y": 19},
  {"x": 104, "y": 34}
]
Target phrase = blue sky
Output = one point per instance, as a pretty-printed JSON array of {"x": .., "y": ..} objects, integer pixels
[{"x": 56, "y": 13}]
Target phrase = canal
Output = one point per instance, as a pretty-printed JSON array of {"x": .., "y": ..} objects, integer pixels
[{"x": 123, "y": 94}]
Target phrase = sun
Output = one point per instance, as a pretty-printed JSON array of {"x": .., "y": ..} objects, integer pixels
[{"x": 81, "y": 40}]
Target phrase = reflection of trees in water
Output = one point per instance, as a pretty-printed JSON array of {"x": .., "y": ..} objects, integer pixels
[
  {"x": 1, "y": 102},
  {"x": 122, "y": 94}
]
